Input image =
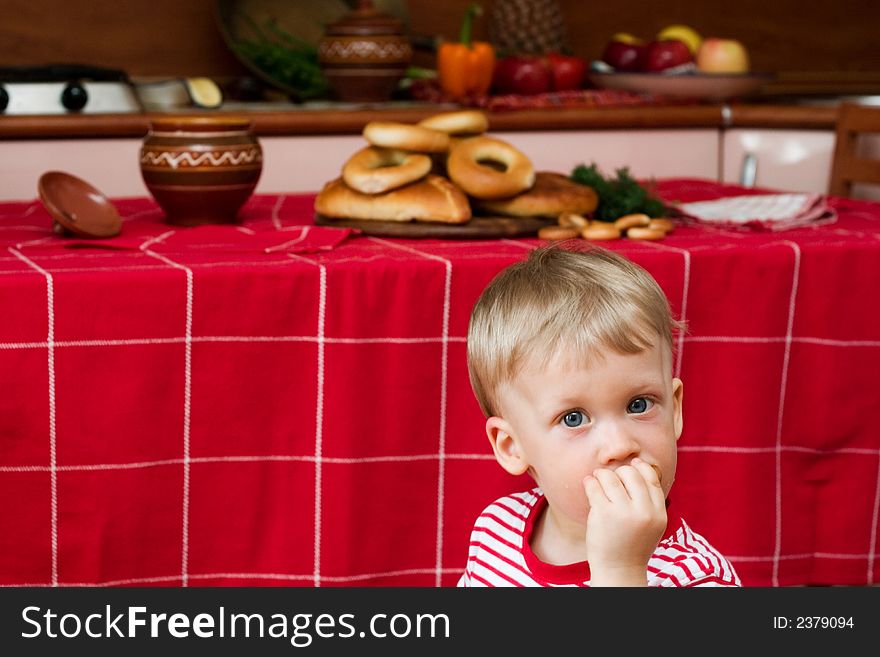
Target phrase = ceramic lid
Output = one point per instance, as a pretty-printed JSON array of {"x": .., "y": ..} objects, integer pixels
[
  {"x": 77, "y": 206},
  {"x": 366, "y": 20}
]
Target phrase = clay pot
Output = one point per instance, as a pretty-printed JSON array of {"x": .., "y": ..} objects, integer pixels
[
  {"x": 201, "y": 170},
  {"x": 364, "y": 55}
]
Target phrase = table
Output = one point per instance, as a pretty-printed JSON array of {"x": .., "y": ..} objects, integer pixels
[{"x": 280, "y": 404}]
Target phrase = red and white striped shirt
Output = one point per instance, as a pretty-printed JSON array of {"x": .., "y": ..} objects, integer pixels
[{"x": 500, "y": 554}]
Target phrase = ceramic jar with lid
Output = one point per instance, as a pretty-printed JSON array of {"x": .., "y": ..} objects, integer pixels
[
  {"x": 201, "y": 169},
  {"x": 365, "y": 54}
]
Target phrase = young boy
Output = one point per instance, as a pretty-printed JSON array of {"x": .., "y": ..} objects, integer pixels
[{"x": 570, "y": 356}]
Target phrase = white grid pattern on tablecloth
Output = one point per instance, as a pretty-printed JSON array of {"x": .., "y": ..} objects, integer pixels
[
  {"x": 444, "y": 372},
  {"x": 50, "y": 351},
  {"x": 441, "y": 456},
  {"x": 187, "y": 397},
  {"x": 187, "y": 461},
  {"x": 438, "y": 570},
  {"x": 792, "y": 302},
  {"x": 686, "y": 281},
  {"x": 319, "y": 406}
]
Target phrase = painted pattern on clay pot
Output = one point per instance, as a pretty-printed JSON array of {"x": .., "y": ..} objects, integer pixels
[
  {"x": 201, "y": 169},
  {"x": 364, "y": 55}
]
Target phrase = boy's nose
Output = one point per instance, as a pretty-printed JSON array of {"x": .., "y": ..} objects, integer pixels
[{"x": 617, "y": 445}]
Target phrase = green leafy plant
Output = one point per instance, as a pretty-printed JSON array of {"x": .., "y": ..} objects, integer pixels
[
  {"x": 619, "y": 195},
  {"x": 285, "y": 59}
]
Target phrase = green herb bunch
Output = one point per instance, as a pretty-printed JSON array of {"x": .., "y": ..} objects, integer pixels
[
  {"x": 619, "y": 195},
  {"x": 286, "y": 59}
]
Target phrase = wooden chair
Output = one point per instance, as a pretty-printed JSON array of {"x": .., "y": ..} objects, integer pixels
[{"x": 849, "y": 164}]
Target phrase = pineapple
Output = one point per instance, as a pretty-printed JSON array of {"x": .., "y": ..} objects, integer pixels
[{"x": 527, "y": 26}]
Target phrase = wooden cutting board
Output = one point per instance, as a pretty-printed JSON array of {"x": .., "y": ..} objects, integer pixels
[{"x": 476, "y": 228}]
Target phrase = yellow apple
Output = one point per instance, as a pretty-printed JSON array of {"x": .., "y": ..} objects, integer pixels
[
  {"x": 717, "y": 55},
  {"x": 684, "y": 33}
]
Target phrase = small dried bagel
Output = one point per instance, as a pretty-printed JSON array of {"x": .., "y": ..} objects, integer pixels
[
  {"x": 666, "y": 225},
  {"x": 556, "y": 233},
  {"x": 600, "y": 230},
  {"x": 572, "y": 220},
  {"x": 645, "y": 233},
  {"x": 629, "y": 220},
  {"x": 657, "y": 470}
]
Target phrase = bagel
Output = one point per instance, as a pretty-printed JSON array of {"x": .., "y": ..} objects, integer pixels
[
  {"x": 432, "y": 198},
  {"x": 439, "y": 159},
  {"x": 573, "y": 220},
  {"x": 600, "y": 230},
  {"x": 645, "y": 233},
  {"x": 405, "y": 136},
  {"x": 373, "y": 170},
  {"x": 552, "y": 195},
  {"x": 460, "y": 122},
  {"x": 455, "y": 140},
  {"x": 557, "y": 233},
  {"x": 658, "y": 471},
  {"x": 666, "y": 225},
  {"x": 466, "y": 168},
  {"x": 628, "y": 221}
]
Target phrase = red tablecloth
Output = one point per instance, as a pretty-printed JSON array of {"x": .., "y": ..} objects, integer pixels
[{"x": 279, "y": 406}]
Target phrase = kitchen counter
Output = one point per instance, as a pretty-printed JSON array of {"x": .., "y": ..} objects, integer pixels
[{"x": 324, "y": 121}]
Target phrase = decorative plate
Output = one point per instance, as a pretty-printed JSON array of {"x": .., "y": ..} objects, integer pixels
[{"x": 704, "y": 86}]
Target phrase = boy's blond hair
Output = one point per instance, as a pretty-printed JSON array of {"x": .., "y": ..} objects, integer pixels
[{"x": 562, "y": 298}]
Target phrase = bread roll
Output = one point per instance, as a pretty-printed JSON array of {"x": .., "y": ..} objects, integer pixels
[
  {"x": 433, "y": 198},
  {"x": 552, "y": 194}
]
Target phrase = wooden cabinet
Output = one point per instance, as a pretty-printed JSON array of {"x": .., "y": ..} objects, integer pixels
[
  {"x": 790, "y": 160},
  {"x": 305, "y": 163},
  {"x": 792, "y": 146},
  {"x": 302, "y": 164},
  {"x": 668, "y": 153},
  {"x": 111, "y": 165}
]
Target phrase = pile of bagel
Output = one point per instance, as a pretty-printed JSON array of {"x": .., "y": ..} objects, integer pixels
[
  {"x": 636, "y": 226},
  {"x": 446, "y": 169}
]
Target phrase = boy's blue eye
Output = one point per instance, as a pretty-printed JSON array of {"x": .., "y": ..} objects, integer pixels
[
  {"x": 639, "y": 405},
  {"x": 574, "y": 419}
]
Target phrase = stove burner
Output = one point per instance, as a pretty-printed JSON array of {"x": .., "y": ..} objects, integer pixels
[{"x": 65, "y": 88}]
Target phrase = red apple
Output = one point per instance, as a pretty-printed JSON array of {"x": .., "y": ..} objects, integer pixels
[
  {"x": 717, "y": 55},
  {"x": 624, "y": 55},
  {"x": 526, "y": 75},
  {"x": 661, "y": 55},
  {"x": 568, "y": 71}
]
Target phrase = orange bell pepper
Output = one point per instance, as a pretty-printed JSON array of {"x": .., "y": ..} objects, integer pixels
[{"x": 465, "y": 68}]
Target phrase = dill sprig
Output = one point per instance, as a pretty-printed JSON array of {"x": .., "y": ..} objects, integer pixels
[
  {"x": 618, "y": 195},
  {"x": 286, "y": 59}
]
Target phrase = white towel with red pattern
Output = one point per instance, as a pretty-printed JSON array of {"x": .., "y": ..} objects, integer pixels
[{"x": 762, "y": 211}]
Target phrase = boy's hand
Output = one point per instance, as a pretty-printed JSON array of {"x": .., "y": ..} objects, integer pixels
[{"x": 627, "y": 518}]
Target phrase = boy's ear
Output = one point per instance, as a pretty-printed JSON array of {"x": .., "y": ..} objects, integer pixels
[
  {"x": 677, "y": 403},
  {"x": 506, "y": 446}
]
